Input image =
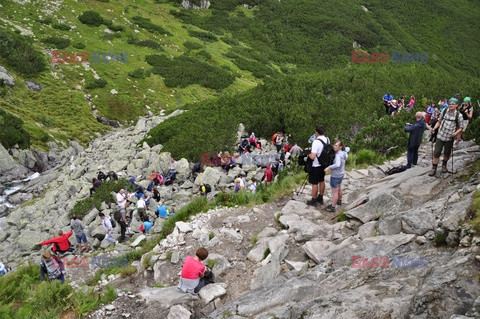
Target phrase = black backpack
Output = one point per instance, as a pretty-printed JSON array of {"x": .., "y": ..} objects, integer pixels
[
  {"x": 112, "y": 221},
  {"x": 327, "y": 157},
  {"x": 208, "y": 188},
  {"x": 396, "y": 169},
  {"x": 117, "y": 215}
]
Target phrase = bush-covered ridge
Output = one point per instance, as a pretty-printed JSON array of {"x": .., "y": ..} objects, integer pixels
[{"x": 346, "y": 101}]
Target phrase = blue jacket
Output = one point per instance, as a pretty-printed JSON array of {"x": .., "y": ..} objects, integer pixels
[{"x": 416, "y": 133}]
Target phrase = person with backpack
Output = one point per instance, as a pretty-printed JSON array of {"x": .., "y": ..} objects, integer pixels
[
  {"x": 101, "y": 176},
  {"x": 448, "y": 126},
  {"x": 95, "y": 184},
  {"x": 268, "y": 174},
  {"x": 108, "y": 227},
  {"x": 112, "y": 175},
  {"x": 316, "y": 176},
  {"x": 386, "y": 101},
  {"x": 253, "y": 187},
  {"x": 279, "y": 141},
  {"x": 466, "y": 109},
  {"x": 205, "y": 189},
  {"x": 337, "y": 173},
  {"x": 61, "y": 244},
  {"x": 52, "y": 266},
  {"x": 3, "y": 269},
  {"x": 79, "y": 229},
  {"x": 415, "y": 139}
]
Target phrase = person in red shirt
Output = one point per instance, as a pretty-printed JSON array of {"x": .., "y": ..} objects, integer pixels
[
  {"x": 195, "y": 275},
  {"x": 268, "y": 175},
  {"x": 61, "y": 243}
]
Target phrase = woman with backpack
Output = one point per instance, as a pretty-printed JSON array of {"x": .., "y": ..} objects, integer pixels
[{"x": 337, "y": 173}]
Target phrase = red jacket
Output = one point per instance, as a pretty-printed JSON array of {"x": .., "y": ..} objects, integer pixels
[
  {"x": 268, "y": 174},
  {"x": 62, "y": 242}
]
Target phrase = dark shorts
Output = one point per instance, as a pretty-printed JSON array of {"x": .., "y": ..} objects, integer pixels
[
  {"x": 81, "y": 237},
  {"x": 446, "y": 146},
  {"x": 317, "y": 175},
  {"x": 335, "y": 181}
]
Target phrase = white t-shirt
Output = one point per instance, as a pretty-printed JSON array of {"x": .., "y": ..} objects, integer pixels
[
  {"x": 253, "y": 188},
  {"x": 121, "y": 201},
  {"x": 141, "y": 203},
  {"x": 317, "y": 147}
]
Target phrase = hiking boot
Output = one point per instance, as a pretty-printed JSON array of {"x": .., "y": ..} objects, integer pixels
[
  {"x": 434, "y": 170},
  {"x": 320, "y": 199},
  {"x": 330, "y": 208},
  {"x": 444, "y": 167},
  {"x": 312, "y": 202},
  {"x": 339, "y": 202}
]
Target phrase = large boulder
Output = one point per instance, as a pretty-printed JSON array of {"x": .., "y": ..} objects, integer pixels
[
  {"x": 29, "y": 240},
  {"x": 7, "y": 78},
  {"x": 210, "y": 176},
  {"x": 380, "y": 203}
]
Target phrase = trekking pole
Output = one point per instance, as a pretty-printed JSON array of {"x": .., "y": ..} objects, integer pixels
[{"x": 303, "y": 186}]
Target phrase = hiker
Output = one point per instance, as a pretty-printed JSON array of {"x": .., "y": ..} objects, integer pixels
[
  {"x": 121, "y": 217},
  {"x": 195, "y": 275},
  {"x": 296, "y": 150},
  {"x": 52, "y": 266},
  {"x": 253, "y": 187},
  {"x": 162, "y": 211},
  {"x": 386, "y": 101},
  {"x": 430, "y": 110},
  {"x": 449, "y": 125},
  {"x": 197, "y": 169},
  {"x": 337, "y": 173},
  {"x": 96, "y": 184},
  {"x": 466, "y": 109},
  {"x": 107, "y": 226},
  {"x": 101, "y": 176},
  {"x": 112, "y": 175},
  {"x": 145, "y": 226},
  {"x": 401, "y": 102},
  {"x": 392, "y": 107},
  {"x": 254, "y": 142},
  {"x": 156, "y": 194},
  {"x": 268, "y": 174},
  {"x": 172, "y": 171},
  {"x": 415, "y": 139},
  {"x": 61, "y": 244},
  {"x": 411, "y": 103},
  {"x": 238, "y": 184},
  {"x": 244, "y": 147},
  {"x": 204, "y": 189},
  {"x": 79, "y": 229},
  {"x": 156, "y": 178},
  {"x": 3, "y": 269},
  {"x": 279, "y": 141},
  {"x": 121, "y": 198},
  {"x": 316, "y": 177},
  {"x": 142, "y": 209}
]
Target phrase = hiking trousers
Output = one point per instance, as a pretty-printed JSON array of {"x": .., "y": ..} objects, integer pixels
[{"x": 412, "y": 156}]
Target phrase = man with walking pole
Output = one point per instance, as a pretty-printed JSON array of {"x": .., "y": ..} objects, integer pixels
[{"x": 449, "y": 125}]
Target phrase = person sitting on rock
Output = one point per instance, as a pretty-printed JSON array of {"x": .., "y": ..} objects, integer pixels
[
  {"x": 142, "y": 209},
  {"x": 52, "y": 266},
  {"x": 79, "y": 229},
  {"x": 253, "y": 141},
  {"x": 107, "y": 226},
  {"x": 295, "y": 150},
  {"x": 101, "y": 176},
  {"x": 96, "y": 184},
  {"x": 244, "y": 147},
  {"x": 61, "y": 244},
  {"x": 3, "y": 269},
  {"x": 162, "y": 210},
  {"x": 172, "y": 171},
  {"x": 145, "y": 227},
  {"x": 156, "y": 194},
  {"x": 253, "y": 187},
  {"x": 195, "y": 275},
  {"x": 112, "y": 175}
]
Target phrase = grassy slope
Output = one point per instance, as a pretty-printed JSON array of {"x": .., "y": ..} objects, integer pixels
[{"x": 62, "y": 111}]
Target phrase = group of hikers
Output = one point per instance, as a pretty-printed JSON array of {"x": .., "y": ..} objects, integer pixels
[
  {"x": 446, "y": 126},
  {"x": 393, "y": 106}
]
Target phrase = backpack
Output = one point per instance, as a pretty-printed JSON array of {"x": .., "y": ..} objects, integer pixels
[
  {"x": 112, "y": 221},
  {"x": 305, "y": 161},
  {"x": 327, "y": 157},
  {"x": 396, "y": 169},
  {"x": 274, "y": 137},
  {"x": 208, "y": 188},
  {"x": 117, "y": 215}
]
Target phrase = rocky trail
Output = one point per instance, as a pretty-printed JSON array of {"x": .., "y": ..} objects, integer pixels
[{"x": 288, "y": 260}]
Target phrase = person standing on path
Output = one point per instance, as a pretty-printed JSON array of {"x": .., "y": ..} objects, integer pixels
[
  {"x": 415, "y": 139},
  {"x": 107, "y": 225}
]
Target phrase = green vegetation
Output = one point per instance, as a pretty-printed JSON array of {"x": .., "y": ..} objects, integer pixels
[
  {"x": 97, "y": 83},
  {"x": 24, "y": 295},
  {"x": 205, "y": 36},
  {"x": 102, "y": 194},
  {"x": 440, "y": 239},
  {"x": 211, "y": 263},
  {"x": 342, "y": 217},
  {"x": 12, "y": 131},
  {"x": 128, "y": 271},
  {"x": 147, "y": 24},
  {"x": 61, "y": 26},
  {"x": 211, "y": 236},
  {"x": 192, "y": 45},
  {"x": 473, "y": 131},
  {"x": 145, "y": 43},
  {"x": 18, "y": 52},
  {"x": 266, "y": 253},
  {"x": 91, "y": 18},
  {"x": 57, "y": 42},
  {"x": 185, "y": 70}
]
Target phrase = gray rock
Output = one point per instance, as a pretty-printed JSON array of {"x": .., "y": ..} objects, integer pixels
[
  {"x": 118, "y": 166},
  {"x": 179, "y": 312},
  {"x": 211, "y": 292},
  {"x": 221, "y": 264},
  {"x": 7, "y": 78},
  {"x": 264, "y": 275},
  {"x": 418, "y": 222},
  {"x": 379, "y": 203},
  {"x": 367, "y": 230},
  {"x": 390, "y": 224},
  {"x": 166, "y": 297},
  {"x": 299, "y": 266},
  {"x": 34, "y": 86},
  {"x": 175, "y": 257},
  {"x": 97, "y": 232},
  {"x": 19, "y": 198},
  {"x": 29, "y": 240},
  {"x": 257, "y": 252},
  {"x": 138, "y": 241},
  {"x": 232, "y": 235},
  {"x": 183, "y": 227},
  {"x": 210, "y": 176}
]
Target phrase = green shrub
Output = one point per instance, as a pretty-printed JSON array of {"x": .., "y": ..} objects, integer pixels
[
  {"x": 184, "y": 70},
  {"x": 57, "y": 42},
  {"x": 192, "y": 45},
  {"x": 79, "y": 45},
  {"x": 19, "y": 53},
  {"x": 473, "y": 131},
  {"x": 46, "y": 20},
  {"x": 115, "y": 27},
  {"x": 205, "y": 36},
  {"x": 211, "y": 263},
  {"x": 61, "y": 26},
  {"x": 12, "y": 131},
  {"x": 138, "y": 74},
  {"x": 366, "y": 157},
  {"x": 230, "y": 41},
  {"x": 145, "y": 43},
  {"x": 91, "y": 18},
  {"x": 97, "y": 83},
  {"x": 342, "y": 217},
  {"x": 147, "y": 24},
  {"x": 128, "y": 271},
  {"x": 474, "y": 211}
]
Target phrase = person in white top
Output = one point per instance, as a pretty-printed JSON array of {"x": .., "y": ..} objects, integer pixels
[
  {"x": 253, "y": 187},
  {"x": 141, "y": 206},
  {"x": 121, "y": 198},
  {"x": 317, "y": 175},
  {"x": 107, "y": 226}
]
